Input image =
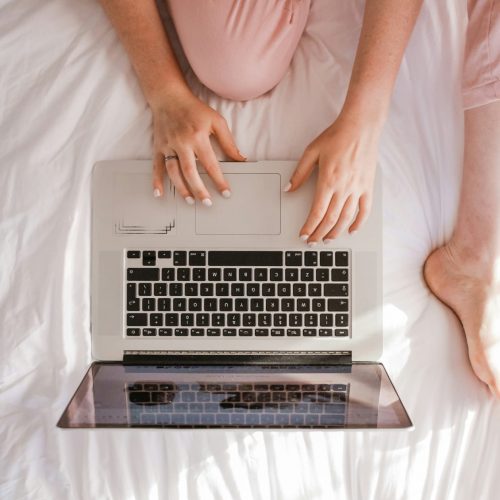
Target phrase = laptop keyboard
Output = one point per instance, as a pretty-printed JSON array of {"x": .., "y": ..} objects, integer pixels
[
  {"x": 197, "y": 293},
  {"x": 237, "y": 404}
]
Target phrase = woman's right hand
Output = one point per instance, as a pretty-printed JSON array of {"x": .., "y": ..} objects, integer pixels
[{"x": 183, "y": 125}]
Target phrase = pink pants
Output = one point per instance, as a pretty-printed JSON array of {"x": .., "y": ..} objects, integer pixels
[
  {"x": 242, "y": 49},
  {"x": 481, "y": 81},
  {"x": 239, "y": 49}
]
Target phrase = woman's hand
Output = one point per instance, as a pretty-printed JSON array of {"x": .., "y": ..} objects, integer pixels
[
  {"x": 346, "y": 153},
  {"x": 182, "y": 127}
]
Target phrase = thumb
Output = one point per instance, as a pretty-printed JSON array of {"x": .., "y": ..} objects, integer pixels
[
  {"x": 226, "y": 141},
  {"x": 302, "y": 171}
]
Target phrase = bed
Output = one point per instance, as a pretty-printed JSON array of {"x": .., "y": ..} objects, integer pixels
[{"x": 68, "y": 98}]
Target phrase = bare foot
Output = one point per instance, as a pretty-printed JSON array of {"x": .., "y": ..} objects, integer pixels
[{"x": 474, "y": 296}]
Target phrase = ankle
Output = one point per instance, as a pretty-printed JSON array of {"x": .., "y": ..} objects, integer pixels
[{"x": 474, "y": 260}]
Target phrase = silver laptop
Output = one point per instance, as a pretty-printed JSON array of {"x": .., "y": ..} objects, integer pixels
[{"x": 223, "y": 317}]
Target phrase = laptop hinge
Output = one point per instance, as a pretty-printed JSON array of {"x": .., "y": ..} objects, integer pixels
[{"x": 289, "y": 358}]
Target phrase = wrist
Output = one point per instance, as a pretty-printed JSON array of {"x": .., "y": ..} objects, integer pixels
[{"x": 168, "y": 95}]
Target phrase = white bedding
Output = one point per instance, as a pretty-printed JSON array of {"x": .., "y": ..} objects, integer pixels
[{"x": 68, "y": 98}]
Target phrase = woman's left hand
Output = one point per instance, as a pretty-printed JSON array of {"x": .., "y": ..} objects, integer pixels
[{"x": 346, "y": 154}]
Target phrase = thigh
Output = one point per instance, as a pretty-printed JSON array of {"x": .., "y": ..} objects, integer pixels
[
  {"x": 239, "y": 49},
  {"x": 482, "y": 53}
]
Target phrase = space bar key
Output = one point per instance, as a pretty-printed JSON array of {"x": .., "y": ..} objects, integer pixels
[{"x": 245, "y": 258}]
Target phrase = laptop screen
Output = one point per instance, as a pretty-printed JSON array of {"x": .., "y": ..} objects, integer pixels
[{"x": 234, "y": 396}]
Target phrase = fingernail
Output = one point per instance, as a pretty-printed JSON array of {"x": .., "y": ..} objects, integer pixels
[
  {"x": 354, "y": 232},
  {"x": 241, "y": 154},
  {"x": 287, "y": 187},
  {"x": 226, "y": 193},
  {"x": 327, "y": 241},
  {"x": 312, "y": 243},
  {"x": 189, "y": 200},
  {"x": 304, "y": 237},
  {"x": 156, "y": 193},
  {"x": 207, "y": 202}
]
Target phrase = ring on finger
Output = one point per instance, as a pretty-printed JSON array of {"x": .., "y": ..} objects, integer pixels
[{"x": 170, "y": 157}]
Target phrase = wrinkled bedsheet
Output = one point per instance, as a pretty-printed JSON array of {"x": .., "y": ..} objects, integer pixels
[{"x": 68, "y": 98}]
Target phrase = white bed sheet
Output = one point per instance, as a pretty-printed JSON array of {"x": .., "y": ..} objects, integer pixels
[{"x": 68, "y": 98}]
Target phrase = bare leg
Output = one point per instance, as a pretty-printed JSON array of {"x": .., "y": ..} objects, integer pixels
[{"x": 465, "y": 272}]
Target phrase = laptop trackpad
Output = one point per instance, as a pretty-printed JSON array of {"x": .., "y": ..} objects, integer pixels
[{"x": 254, "y": 207}]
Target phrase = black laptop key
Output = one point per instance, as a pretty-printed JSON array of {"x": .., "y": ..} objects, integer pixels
[
  {"x": 195, "y": 304},
  {"x": 341, "y": 259},
  {"x": 307, "y": 274},
  {"x": 149, "y": 258},
  {"x": 165, "y": 332},
  {"x": 160, "y": 289},
  {"x": 264, "y": 319},
  {"x": 245, "y": 258},
  {"x": 318, "y": 304},
  {"x": 225, "y": 305},
  {"x": 293, "y": 259},
  {"x": 284, "y": 289},
  {"x": 241, "y": 305},
  {"x": 268, "y": 289},
  {"x": 276, "y": 274},
  {"x": 314, "y": 290},
  {"x": 325, "y": 332},
  {"x": 336, "y": 290},
  {"x": 131, "y": 291},
  {"x": 291, "y": 274},
  {"x": 337, "y": 305},
  {"x": 222, "y": 289},
  {"x": 206, "y": 289},
  {"x": 133, "y": 254},
  {"x": 175, "y": 289},
  {"x": 218, "y": 319},
  {"x": 233, "y": 319},
  {"x": 245, "y": 274},
  {"x": 256, "y": 305},
  {"x": 340, "y": 274},
  {"x": 143, "y": 274},
  {"x": 181, "y": 332},
  {"x": 237, "y": 289},
  {"x": 197, "y": 258},
  {"x": 191, "y": 289},
  {"x": 168, "y": 274},
  {"x": 295, "y": 319},
  {"x": 156, "y": 319},
  {"x": 322, "y": 274},
  {"x": 309, "y": 332},
  {"x": 197, "y": 332},
  {"x": 341, "y": 320},
  {"x": 326, "y": 319},
  {"x": 180, "y": 258},
  {"x": 133, "y": 305},
  {"x": 310, "y": 320},
  {"x": 326, "y": 259},
  {"x": 249, "y": 319},
  {"x": 229, "y": 332},
  {"x": 229, "y": 274},
  {"x": 171, "y": 319},
  {"x": 214, "y": 274},
  {"x": 149, "y": 332},
  {"x": 341, "y": 332},
  {"x": 277, "y": 332},
  {"x": 253, "y": 289},
  {"x": 311, "y": 258},
  {"x": 183, "y": 274},
  {"x": 299, "y": 289},
  {"x": 213, "y": 332},
  {"x": 303, "y": 304},
  {"x": 133, "y": 332},
  {"x": 199, "y": 274},
  {"x": 137, "y": 319},
  {"x": 288, "y": 305},
  {"x": 272, "y": 305},
  {"x": 145, "y": 289},
  {"x": 164, "y": 305},
  {"x": 179, "y": 304},
  {"x": 245, "y": 332},
  {"x": 139, "y": 397},
  {"x": 210, "y": 304},
  {"x": 164, "y": 254},
  {"x": 203, "y": 319},
  {"x": 279, "y": 319},
  {"x": 260, "y": 274},
  {"x": 187, "y": 319},
  {"x": 262, "y": 332}
]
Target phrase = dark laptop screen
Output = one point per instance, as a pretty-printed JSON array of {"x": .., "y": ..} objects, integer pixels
[{"x": 264, "y": 396}]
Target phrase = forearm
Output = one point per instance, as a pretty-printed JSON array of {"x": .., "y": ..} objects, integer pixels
[
  {"x": 387, "y": 26},
  {"x": 140, "y": 29}
]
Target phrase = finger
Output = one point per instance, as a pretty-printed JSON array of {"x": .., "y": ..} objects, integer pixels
[
  {"x": 226, "y": 140},
  {"x": 320, "y": 205},
  {"x": 302, "y": 171},
  {"x": 345, "y": 216},
  {"x": 192, "y": 177},
  {"x": 207, "y": 158},
  {"x": 365, "y": 203},
  {"x": 329, "y": 219},
  {"x": 158, "y": 175},
  {"x": 173, "y": 170}
]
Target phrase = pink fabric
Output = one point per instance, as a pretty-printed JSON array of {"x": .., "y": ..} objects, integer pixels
[
  {"x": 239, "y": 49},
  {"x": 482, "y": 54}
]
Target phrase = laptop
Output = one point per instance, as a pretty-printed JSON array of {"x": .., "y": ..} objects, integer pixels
[{"x": 221, "y": 317}]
